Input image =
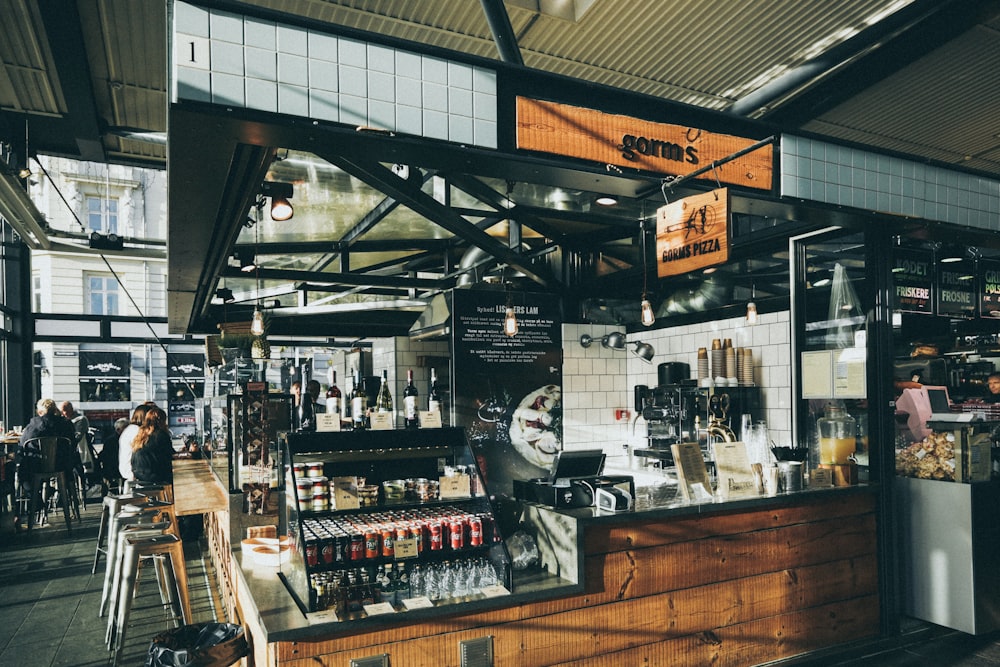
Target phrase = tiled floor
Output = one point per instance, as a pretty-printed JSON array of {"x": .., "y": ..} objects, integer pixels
[{"x": 49, "y": 599}]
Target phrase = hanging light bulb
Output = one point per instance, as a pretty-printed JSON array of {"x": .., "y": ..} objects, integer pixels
[
  {"x": 647, "y": 311},
  {"x": 751, "y": 317},
  {"x": 645, "y": 307},
  {"x": 510, "y": 326},
  {"x": 257, "y": 324}
]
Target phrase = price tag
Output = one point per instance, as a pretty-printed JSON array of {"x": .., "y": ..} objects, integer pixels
[
  {"x": 380, "y": 608},
  {"x": 382, "y": 421},
  {"x": 345, "y": 493},
  {"x": 456, "y": 486},
  {"x": 325, "y": 616},
  {"x": 430, "y": 419},
  {"x": 422, "y": 602},
  {"x": 820, "y": 477},
  {"x": 405, "y": 548},
  {"x": 327, "y": 422},
  {"x": 494, "y": 591}
]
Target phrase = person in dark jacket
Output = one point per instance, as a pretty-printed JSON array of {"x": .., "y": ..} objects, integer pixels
[
  {"x": 152, "y": 450},
  {"x": 28, "y": 457}
]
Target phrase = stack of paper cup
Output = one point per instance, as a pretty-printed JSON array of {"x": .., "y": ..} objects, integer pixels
[
  {"x": 731, "y": 378},
  {"x": 746, "y": 368},
  {"x": 702, "y": 364},
  {"x": 718, "y": 361}
]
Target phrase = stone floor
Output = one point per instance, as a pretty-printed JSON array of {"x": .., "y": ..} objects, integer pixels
[{"x": 49, "y": 599}]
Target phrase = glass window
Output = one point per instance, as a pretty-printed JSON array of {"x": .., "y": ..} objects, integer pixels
[
  {"x": 36, "y": 293},
  {"x": 102, "y": 214},
  {"x": 102, "y": 295}
]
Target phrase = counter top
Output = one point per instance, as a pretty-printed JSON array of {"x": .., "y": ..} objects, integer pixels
[
  {"x": 196, "y": 488},
  {"x": 281, "y": 619}
]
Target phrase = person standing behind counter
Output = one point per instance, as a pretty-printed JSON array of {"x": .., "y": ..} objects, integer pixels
[
  {"x": 152, "y": 450},
  {"x": 992, "y": 389}
]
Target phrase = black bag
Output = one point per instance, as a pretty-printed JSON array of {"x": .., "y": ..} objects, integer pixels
[{"x": 198, "y": 645}]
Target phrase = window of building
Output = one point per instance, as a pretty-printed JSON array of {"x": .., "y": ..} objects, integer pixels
[
  {"x": 36, "y": 293},
  {"x": 102, "y": 295},
  {"x": 102, "y": 214}
]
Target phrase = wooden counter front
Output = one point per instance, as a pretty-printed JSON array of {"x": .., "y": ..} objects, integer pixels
[
  {"x": 736, "y": 584},
  {"x": 196, "y": 488}
]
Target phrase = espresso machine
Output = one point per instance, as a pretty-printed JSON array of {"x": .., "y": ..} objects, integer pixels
[{"x": 673, "y": 414}]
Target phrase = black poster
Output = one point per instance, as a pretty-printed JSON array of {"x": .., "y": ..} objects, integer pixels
[
  {"x": 98, "y": 365},
  {"x": 989, "y": 290},
  {"x": 508, "y": 389},
  {"x": 956, "y": 289},
  {"x": 185, "y": 366},
  {"x": 913, "y": 281}
]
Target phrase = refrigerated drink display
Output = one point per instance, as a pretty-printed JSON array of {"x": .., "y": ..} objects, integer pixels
[{"x": 427, "y": 538}]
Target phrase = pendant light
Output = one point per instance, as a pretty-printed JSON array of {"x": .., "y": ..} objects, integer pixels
[
  {"x": 645, "y": 307},
  {"x": 257, "y": 323},
  {"x": 510, "y": 325},
  {"x": 751, "y": 316}
]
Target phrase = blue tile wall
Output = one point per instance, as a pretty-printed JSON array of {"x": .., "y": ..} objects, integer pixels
[
  {"x": 833, "y": 174},
  {"x": 244, "y": 61}
]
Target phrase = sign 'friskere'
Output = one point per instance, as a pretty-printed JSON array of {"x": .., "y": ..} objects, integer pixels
[{"x": 692, "y": 233}]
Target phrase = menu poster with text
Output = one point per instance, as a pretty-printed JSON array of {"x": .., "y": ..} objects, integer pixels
[
  {"x": 913, "y": 281},
  {"x": 956, "y": 289},
  {"x": 508, "y": 389},
  {"x": 989, "y": 292}
]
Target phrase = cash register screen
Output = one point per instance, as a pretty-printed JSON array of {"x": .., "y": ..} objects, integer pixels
[
  {"x": 579, "y": 463},
  {"x": 938, "y": 397}
]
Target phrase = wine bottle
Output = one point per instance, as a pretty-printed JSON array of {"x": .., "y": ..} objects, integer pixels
[
  {"x": 383, "y": 401},
  {"x": 359, "y": 402},
  {"x": 410, "y": 402},
  {"x": 346, "y": 404},
  {"x": 333, "y": 395},
  {"x": 433, "y": 397},
  {"x": 307, "y": 412}
]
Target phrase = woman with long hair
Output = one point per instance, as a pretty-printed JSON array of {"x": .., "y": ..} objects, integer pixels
[
  {"x": 125, "y": 442},
  {"x": 152, "y": 450}
]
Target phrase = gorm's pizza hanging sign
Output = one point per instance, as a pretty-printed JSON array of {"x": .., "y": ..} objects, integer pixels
[
  {"x": 663, "y": 148},
  {"x": 692, "y": 233}
]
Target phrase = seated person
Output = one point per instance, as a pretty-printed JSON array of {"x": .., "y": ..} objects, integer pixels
[{"x": 48, "y": 421}]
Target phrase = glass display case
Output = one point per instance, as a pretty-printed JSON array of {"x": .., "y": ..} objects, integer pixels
[
  {"x": 256, "y": 418},
  {"x": 380, "y": 522}
]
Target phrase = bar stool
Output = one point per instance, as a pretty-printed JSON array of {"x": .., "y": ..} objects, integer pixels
[
  {"x": 111, "y": 506},
  {"x": 44, "y": 467},
  {"x": 140, "y": 515},
  {"x": 154, "y": 490},
  {"x": 169, "y": 549},
  {"x": 138, "y": 531}
]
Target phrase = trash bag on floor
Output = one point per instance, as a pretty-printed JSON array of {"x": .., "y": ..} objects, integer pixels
[{"x": 198, "y": 645}]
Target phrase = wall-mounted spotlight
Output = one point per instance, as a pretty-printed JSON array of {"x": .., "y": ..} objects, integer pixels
[
  {"x": 248, "y": 261},
  {"x": 644, "y": 351},
  {"x": 100, "y": 241},
  {"x": 280, "y": 193},
  {"x": 614, "y": 341},
  {"x": 225, "y": 294}
]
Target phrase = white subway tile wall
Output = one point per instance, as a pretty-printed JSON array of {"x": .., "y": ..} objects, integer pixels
[
  {"x": 812, "y": 169},
  {"x": 225, "y": 58},
  {"x": 598, "y": 381}
]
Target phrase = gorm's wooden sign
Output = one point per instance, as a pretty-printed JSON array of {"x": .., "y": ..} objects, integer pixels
[
  {"x": 692, "y": 233},
  {"x": 662, "y": 148}
]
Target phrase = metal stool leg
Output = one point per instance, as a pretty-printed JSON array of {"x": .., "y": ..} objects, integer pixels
[{"x": 133, "y": 550}]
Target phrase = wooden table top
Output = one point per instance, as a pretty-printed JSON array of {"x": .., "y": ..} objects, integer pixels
[{"x": 196, "y": 488}]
